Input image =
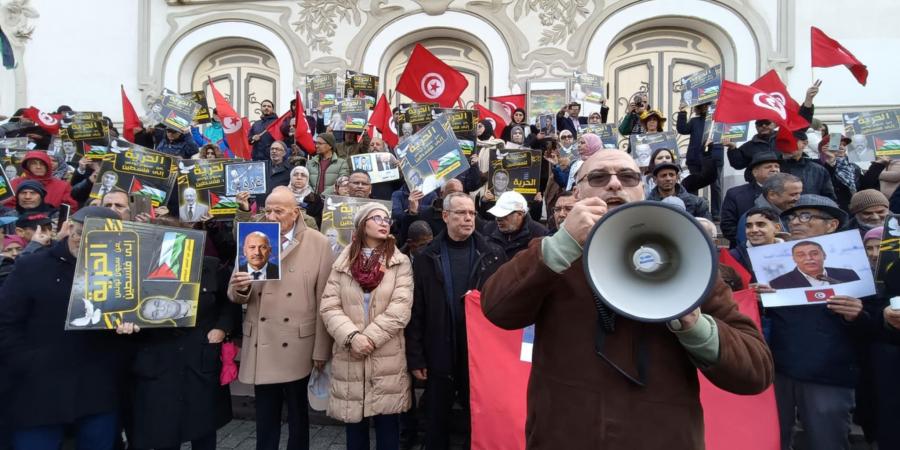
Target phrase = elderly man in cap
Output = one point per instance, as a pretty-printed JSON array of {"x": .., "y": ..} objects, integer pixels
[
  {"x": 666, "y": 177},
  {"x": 740, "y": 199},
  {"x": 869, "y": 208},
  {"x": 513, "y": 228},
  {"x": 571, "y": 387},
  {"x": 818, "y": 386},
  {"x": 61, "y": 379}
]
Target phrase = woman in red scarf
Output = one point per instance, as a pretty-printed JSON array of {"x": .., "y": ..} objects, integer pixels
[{"x": 365, "y": 307}]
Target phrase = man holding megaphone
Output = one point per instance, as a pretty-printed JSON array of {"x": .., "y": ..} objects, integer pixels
[{"x": 606, "y": 375}]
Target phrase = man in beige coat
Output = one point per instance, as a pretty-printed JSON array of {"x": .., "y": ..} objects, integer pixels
[{"x": 284, "y": 334}]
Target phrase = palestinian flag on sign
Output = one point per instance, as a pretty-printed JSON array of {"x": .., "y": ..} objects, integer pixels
[
  {"x": 445, "y": 163},
  {"x": 222, "y": 204},
  {"x": 174, "y": 262},
  {"x": 887, "y": 144},
  {"x": 157, "y": 196}
]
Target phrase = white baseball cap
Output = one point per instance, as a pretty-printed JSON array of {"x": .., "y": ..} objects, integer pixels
[{"x": 509, "y": 202}]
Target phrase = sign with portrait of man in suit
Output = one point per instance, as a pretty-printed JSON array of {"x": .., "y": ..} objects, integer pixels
[
  {"x": 812, "y": 270},
  {"x": 259, "y": 245}
]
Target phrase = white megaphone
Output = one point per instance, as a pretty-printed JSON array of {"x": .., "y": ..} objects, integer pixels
[{"x": 650, "y": 261}]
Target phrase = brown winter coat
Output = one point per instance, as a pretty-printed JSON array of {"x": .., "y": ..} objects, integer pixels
[
  {"x": 379, "y": 383},
  {"x": 283, "y": 331},
  {"x": 571, "y": 388}
]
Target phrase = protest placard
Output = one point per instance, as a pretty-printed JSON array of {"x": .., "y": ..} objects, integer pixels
[
  {"x": 545, "y": 97},
  {"x": 361, "y": 85},
  {"x": 100, "y": 151},
  {"x": 381, "y": 166},
  {"x": 245, "y": 177},
  {"x": 643, "y": 145},
  {"x": 84, "y": 126},
  {"x": 321, "y": 91},
  {"x": 700, "y": 87},
  {"x": 607, "y": 132},
  {"x": 203, "y": 114},
  {"x": 12, "y": 162},
  {"x": 137, "y": 169},
  {"x": 464, "y": 123},
  {"x": 736, "y": 132},
  {"x": 201, "y": 188},
  {"x": 812, "y": 270},
  {"x": 546, "y": 123},
  {"x": 6, "y": 191},
  {"x": 174, "y": 111},
  {"x": 417, "y": 116},
  {"x": 259, "y": 249},
  {"x": 337, "y": 219},
  {"x": 873, "y": 134},
  {"x": 135, "y": 272},
  {"x": 586, "y": 89},
  {"x": 515, "y": 170},
  {"x": 354, "y": 114},
  {"x": 888, "y": 272},
  {"x": 432, "y": 156}
]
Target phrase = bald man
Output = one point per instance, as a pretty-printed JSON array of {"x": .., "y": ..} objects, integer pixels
[{"x": 648, "y": 372}]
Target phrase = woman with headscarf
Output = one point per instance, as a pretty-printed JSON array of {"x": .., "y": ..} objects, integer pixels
[
  {"x": 519, "y": 119},
  {"x": 588, "y": 144},
  {"x": 303, "y": 193},
  {"x": 366, "y": 305}
]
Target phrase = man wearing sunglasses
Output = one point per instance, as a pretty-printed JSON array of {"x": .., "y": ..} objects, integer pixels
[{"x": 545, "y": 285}]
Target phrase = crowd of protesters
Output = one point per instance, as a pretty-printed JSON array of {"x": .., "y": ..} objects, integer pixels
[{"x": 386, "y": 312}]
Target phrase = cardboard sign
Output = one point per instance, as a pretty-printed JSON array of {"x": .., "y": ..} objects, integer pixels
[
  {"x": 888, "y": 273},
  {"x": 381, "y": 167},
  {"x": 515, "y": 170},
  {"x": 361, "y": 85},
  {"x": 6, "y": 191},
  {"x": 201, "y": 188},
  {"x": 802, "y": 272},
  {"x": 174, "y": 111},
  {"x": 139, "y": 170},
  {"x": 643, "y": 145},
  {"x": 607, "y": 132},
  {"x": 586, "y": 88},
  {"x": 245, "y": 177},
  {"x": 464, "y": 123},
  {"x": 546, "y": 123},
  {"x": 321, "y": 91},
  {"x": 83, "y": 126},
  {"x": 259, "y": 250},
  {"x": 135, "y": 272},
  {"x": 700, "y": 87},
  {"x": 418, "y": 116},
  {"x": 203, "y": 114},
  {"x": 337, "y": 219},
  {"x": 354, "y": 114},
  {"x": 431, "y": 157},
  {"x": 873, "y": 134}
]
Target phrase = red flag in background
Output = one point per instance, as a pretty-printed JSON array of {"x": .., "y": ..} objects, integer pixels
[
  {"x": 48, "y": 122},
  {"x": 274, "y": 128},
  {"x": 739, "y": 103},
  {"x": 130, "y": 117},
  {"x": 383, "y": 119},
  {"x": 236, "y": 130},
  {"x": 827, "y": 52},
  {"x": 505, "y": 105},
  {"x": 302, "y": 134},
  {"x": 771, "y": 83},
  {"x": 427, "y": 79},
  {"x": 497, "y": 121}
]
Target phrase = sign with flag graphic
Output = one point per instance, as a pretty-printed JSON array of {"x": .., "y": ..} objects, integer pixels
[
  {"x": 607, "y": 132},
  {"x": 137, "y": 169},
  {"x": 174, "y": 111},
  {"x": 206, "y": 178},
  {"x": 361, "y": 85},
  {"x": 337, "y": 219},
  {"x": 135, "y": 272},
  {"x": 428, "y": 79},
  {"x": 888, "y": 273},
  {"x": 827, "y": 52},
  {"x": 84, "y": 126},
  {"x": 587, "y": 89},
  {"x": 700, "y": 87},
  {"x": 354, "y": 114},
  {"x": 873, "y": 130},
  {"x": 643, "y": 145},
  {"x": 464, "y": 123},
  {"x": 321, "y": 91},
  {"x": 14, "y": 150},
  {"x": 6, "y": 191},
  {"x": 431, "y": 157}
]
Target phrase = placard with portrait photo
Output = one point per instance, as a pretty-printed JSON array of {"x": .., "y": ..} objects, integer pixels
[{"x": 259, "y": 250}]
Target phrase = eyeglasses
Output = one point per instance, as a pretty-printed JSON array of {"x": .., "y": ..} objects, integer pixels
[
  {"x": 380, "y": 220},
  {"x": 805, "y": 217},
  {"x": 462, "y": 212},
  {"x": 628, "y": 178},
  {"x": 557, "y": 209}
]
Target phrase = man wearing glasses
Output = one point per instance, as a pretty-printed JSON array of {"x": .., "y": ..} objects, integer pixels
[
  {"x": 571, "y": 387},
  {"x": 458, "y": 260}
]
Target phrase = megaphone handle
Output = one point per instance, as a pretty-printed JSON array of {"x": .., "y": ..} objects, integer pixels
[{"x": 605, "y": 324}]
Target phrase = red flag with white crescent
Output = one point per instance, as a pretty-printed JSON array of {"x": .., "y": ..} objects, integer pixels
[
  {"x": 505, "y": 105},
  {"x": 498, "y": 122},
  {"x": 48, "y": 122},
  {"x": 236, "y": 130}
]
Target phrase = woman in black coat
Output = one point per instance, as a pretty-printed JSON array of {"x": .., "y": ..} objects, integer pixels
[{"x": 177, "y": 395}]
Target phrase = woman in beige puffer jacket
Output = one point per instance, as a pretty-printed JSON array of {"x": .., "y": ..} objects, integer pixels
[{"x": 366, "y": 305}]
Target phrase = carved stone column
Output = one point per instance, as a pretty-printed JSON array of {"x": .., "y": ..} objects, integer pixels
[{"x": 17, "y": 20}]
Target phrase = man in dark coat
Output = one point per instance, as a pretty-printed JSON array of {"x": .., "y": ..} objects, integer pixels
[
  {"x": 261, "y": 140},
  {"x": 60, "y": 378},
  {"x": 177, "y": 394},
  {"x": 740, "y": 199},
  {"x": 666, "y": 177},
  {"x": 816, "y": 179},
  {"x": 704, "y": 162},
  {"x": 513, "y": 228},
  {"x": 175, "y": 143},
  {"x": 571, "y": 387},
  {"x": 810, "y": 270},
  {"x": 456, "y": 261}
]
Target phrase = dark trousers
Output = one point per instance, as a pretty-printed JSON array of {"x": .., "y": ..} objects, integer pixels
[
  {"x": 207, "y": 442},
  {"x": 706, "y": 174},
  {"x": 97, "y": 432},
  {"x": 824, "y": 412},
  {"x": 441, "y": 392},
  {"x": 387, "y": 433},
  {"x": 269, "y": 399}
]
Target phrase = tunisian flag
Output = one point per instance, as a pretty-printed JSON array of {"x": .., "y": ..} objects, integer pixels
[
  {"x": 499, "y": 368},
  {"x": 498, "y": 122},
  {"x": 130, "y": 117},
  {"x": 48, "y": 122},
  {"x": 771, "y": 83},
  {"x": 302, "y": 135},
  {"x": 236, "y": 131},
  {"x": 507, "y": 104},
  {"x": 427, "y": 79},
  {"x": 383, "y": 119},
  {"x": 739, "y": 103},
  {"x": 827, "y": 52}
]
